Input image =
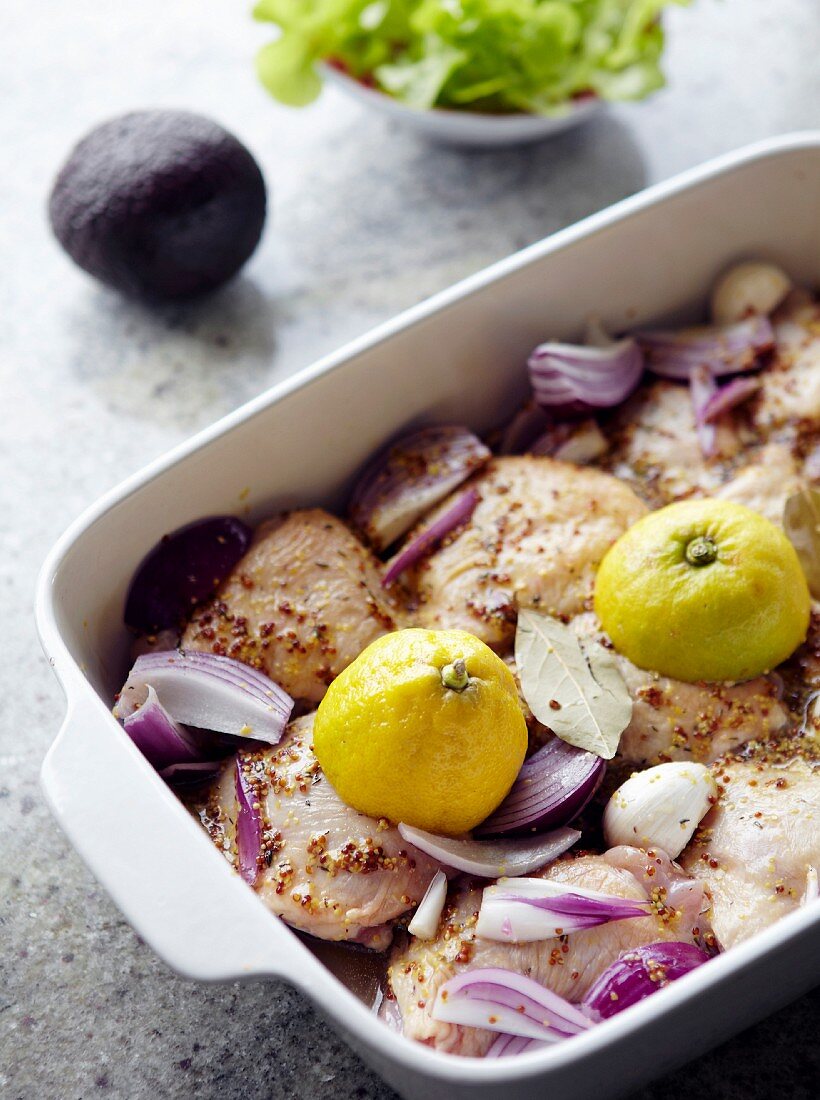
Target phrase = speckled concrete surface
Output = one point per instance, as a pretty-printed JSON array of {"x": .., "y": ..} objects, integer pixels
[{"x": 366, "y": 220}]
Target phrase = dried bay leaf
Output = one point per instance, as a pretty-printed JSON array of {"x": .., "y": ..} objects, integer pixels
[
  {"x": 577, "y": 690},
  {"x": 801, "y": 522}
]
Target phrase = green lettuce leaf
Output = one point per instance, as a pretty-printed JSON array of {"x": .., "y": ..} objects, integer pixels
[{"x": 488, "y": 55}]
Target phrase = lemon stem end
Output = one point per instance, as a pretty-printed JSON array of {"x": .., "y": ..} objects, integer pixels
[
  {"x": 454, "y": 676},
  {"x": 701, "y": 551}
]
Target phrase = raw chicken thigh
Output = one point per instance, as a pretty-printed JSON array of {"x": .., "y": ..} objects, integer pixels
[
  {"x": 327, "y": 869},
  {"x": 673, "y": 720},
  {"x": 766, "y": 483},
  {"x": 300, "y": 606},
  {"x": 758, "y": 850},
  {"x": 535, "y": 539},
  {"x": 655, "y": 449},
  {"x": 567, "y": 965},
  {"x": 790, "y": 388},
  {"x": 654, "y": 446}
]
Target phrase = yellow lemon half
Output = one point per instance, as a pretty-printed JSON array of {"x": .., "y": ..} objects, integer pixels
[
  {"x": 703, "y": 590},
  {"x": 423, "y": 727}
]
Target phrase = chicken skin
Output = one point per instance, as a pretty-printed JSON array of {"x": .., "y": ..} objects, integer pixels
[
  {"x": 303, "y": 602},
  {"x": 758, "y": 849},
  {"x": 766, "y": 483},
  {"x": 567, "y": 965},
  {"x": 790, "y": 388},
  {"x": 654, "y": 446},
  {"x": 673, "y": 720},
  {"x": 326, "y": 869},
  {"x": 535, "y": 540}
]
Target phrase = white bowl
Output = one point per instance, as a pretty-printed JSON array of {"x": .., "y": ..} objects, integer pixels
[
  {"x": 463, "y": 127},
  {"x": 460, "y": 356}
]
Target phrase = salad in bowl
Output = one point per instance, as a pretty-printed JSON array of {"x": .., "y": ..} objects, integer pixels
[
  {"x": 534, "y": 721},
  {"x": 498, "y": 60}
]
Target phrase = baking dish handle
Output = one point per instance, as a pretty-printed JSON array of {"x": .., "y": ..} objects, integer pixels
[{"x": 154, "y": 859}]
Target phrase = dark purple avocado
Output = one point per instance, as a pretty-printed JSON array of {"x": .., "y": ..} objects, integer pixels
[{"x": 160, "y": 205}]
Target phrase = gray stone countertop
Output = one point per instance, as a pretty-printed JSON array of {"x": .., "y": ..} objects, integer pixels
[{"x": 366, "y": 220}]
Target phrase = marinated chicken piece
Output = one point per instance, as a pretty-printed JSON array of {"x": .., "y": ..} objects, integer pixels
[
  {"x": 765, "y": 485},
  {"x": 759, "y": 847},
  {"x": 801, "y": 679},
  {"x": 668, "y": 883},
  {"x": 654, "y": 446},
  {"x": 568, "y": 965},
  {"x": 790, "y": 387},
  {"x": 327, "y": 870},
  {"x": 537, "y": 733},
  {"x": 303, "y": 602},
  {"x": 672, "y": 720},
  {"x": 535, "y": 539}
]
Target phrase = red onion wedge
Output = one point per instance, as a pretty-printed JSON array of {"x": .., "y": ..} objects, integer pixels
[
  {"x": 411, "y": 476},
  {"x": 637, "y": 973},
  {"x": 507, "y": 1045},
  {"x": 724, "y": 349},
  {"x": 524, "y": 910},
  {"x": 728, "y": 397},
  {"x": 161, "y": 740},
  {"x": 248, "y": 825},
  {"x": 492, "y": 859},
  {"x": 501, "y": 1000},
  {"x": 209, "y": 692},
  {"x": 552, "y": 788},
  {"x": 703, "y": 389},
  {"x": 569, "y": 378},
  {"x": 183, "y": 569},
  {"x": 459, "y": 512},
  {"x": 189, "y": 775}
]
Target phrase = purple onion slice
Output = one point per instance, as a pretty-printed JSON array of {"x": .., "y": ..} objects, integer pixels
[
  {"x": 525, "y": 910},
  {"x": 161, "y": 740},
  {"x": 553, "y": 786},
  {"x": 724, "y": 349},
  {"x": 492, "y": 859},
  {"x": 459, "y": 512},
  {"x": 703, "y": 389},
  {"x": 409, "y": 477},
  {"x": 183, "y": 569},
  {"x": 728, "y": 397},
  {"x": 210, "y": 693},
  {"x": 639, "y": 972},
  {"x": 569, "y": 378},
  {"x": 502, "y": 1000},
  {"x": 507, "y": 1045},
  {"x": 249, "y": 826},
  {"x": 189, "y": 775}
]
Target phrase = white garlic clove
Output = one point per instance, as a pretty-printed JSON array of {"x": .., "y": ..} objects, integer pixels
[
  {"x": 660, "y": 807},
  {"x": 748, "y": 288}
]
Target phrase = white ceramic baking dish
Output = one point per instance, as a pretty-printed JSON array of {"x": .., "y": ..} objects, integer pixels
[{"x": 460, "y": 357}]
